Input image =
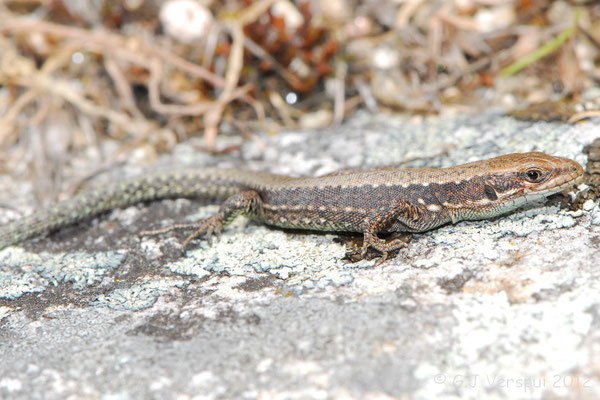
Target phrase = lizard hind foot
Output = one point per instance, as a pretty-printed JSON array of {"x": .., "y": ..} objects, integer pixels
[
  {"x": 205, "y": 227},
  {"x": 247, "y": 203},
  {"x": 208, "y": 227},
  {"x": 382, "y": 246}
]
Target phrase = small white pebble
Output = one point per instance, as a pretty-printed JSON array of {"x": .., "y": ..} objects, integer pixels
[
  {"x": 488, "y": 19},
  {"x": 78, "y": 57},
  {"x": 11, "y": 384},
  {"x": 385, "y": 57},
  {"x": 290, "y": 14},
  {"x": 336, "y": 10},
  {"x": 575, "y": 214},
  {"x": 291, "y": 98},
  {"x": 589, "y": 205},
  {"x": 185, "y": 20}
]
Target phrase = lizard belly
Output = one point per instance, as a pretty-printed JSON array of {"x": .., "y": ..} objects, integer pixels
[{"x": 320, "y": 220}]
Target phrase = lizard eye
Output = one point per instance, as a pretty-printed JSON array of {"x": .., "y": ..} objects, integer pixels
[{"x": 533, "y": 175}]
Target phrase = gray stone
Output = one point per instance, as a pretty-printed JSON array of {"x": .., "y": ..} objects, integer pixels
[{"x": 501, "y": 309}]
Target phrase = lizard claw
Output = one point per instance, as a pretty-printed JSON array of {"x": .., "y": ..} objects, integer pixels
[
  {"x": 209, "y": 227},
  {"x": 209, "y": 233},
  {"x": 382, "y": 259},
  {"x": 364, "y": 250},
  {"x": 381, "y": 246}
]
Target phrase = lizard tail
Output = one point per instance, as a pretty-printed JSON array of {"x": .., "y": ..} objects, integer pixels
[{"x": 193, "y": 183}]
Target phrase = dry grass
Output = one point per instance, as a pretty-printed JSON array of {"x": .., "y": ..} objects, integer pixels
[{"x": 116, "y": 75}]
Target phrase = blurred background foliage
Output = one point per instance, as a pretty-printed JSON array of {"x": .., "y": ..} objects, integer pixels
[{"x": 139, "y": 76}]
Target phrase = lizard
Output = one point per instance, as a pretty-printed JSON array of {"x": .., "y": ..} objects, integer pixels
[{"x": 371, "y": 201}]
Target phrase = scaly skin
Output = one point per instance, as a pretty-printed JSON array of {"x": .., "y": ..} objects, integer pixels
[{"x": 374, "y": 201}]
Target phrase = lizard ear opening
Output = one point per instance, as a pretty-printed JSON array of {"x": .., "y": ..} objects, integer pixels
[{"x": 489, "y": 192}]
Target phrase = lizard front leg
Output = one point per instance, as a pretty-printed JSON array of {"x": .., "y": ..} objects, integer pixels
[
  {"x": 246, "y": 203},
  {"x": 404, "y": 213}
]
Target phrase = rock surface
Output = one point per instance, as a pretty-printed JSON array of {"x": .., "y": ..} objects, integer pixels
[{"x": 501, "y": 309}]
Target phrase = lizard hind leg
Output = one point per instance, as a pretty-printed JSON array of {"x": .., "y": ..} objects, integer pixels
[
  {"x": 245, "y": 203},
  {"x": 384, "y": 247},
  {"x": 405, "y": 213}
]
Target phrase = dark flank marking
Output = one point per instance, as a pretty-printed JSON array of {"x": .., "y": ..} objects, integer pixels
[
  {"x": 503, "y": 183},
  {"x": 490, "y": 193},
  {"x": 456, "y": 192}
]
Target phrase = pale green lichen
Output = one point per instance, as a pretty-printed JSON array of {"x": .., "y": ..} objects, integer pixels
[
  {"x": 28, "y": 272},
  {"x": 301, "y": 261},
  {"x": 138, "y": 297}
]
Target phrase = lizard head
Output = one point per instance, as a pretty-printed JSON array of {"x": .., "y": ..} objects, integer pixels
[
  {"x": 508, "y": 182},
  {"x": 532, "y": 174}
]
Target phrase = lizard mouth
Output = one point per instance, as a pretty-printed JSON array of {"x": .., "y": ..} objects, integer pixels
[
  {"x": 552, "y": 187},
  {"x": 563, "y": 183}
]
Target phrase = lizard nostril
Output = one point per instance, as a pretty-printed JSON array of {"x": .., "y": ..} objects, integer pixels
[{"x": 575, "y": 167}]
